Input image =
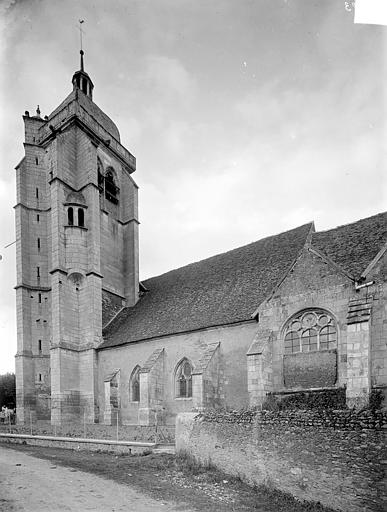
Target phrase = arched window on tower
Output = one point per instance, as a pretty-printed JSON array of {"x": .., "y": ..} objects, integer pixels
[
  {"x": 81, "y": 217},
  {"x": 70, "y": 216},
  {"x": 84, "y": 86},
  {"x": 134, "y": 385},
  {"x": 111, "y": 189},
  {"x": 183, "y": 379}
]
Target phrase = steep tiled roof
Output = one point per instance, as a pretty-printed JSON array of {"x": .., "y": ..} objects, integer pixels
[
  {"x": 92, "y": 108},
  {"x": 219, "y": 290},
  {"x": 228, "y": 287},
  {"x": 353, "y": 246}
]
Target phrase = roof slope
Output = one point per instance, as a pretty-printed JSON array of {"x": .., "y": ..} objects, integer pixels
[
  {"x": 228, "y": 287},
  {"x": 353, "y": 246},
  {"x": 92, "y": 108},
  {"x": 219, "y": 290}
]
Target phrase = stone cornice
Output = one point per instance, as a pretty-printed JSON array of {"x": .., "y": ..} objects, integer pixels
[
  {"x": 95, "y": 137},
  {"x": 64, "y": 345},
  {"x": 32, "y": 208},
  {"x": 33, "y": 288},
  {"x": 126, "y": 222},
  {"x": 93, "y": 273},
  {"x": 60, "y": 270},
  {"x": 90, "y": 184}
]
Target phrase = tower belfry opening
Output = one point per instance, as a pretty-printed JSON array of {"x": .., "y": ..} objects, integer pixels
[{"x": 82, "y": 81}]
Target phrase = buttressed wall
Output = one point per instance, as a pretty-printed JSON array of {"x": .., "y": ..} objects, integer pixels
[{"x": 218, "y": 361}]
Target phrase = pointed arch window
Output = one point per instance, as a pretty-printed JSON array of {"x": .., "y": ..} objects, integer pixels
[
  {"x": 183, "y": 379},
  {"x": 134, "y": 385},
  {"x": 111, "y": 189},
  {"x": 100, "y": 176},
  {"x": 309, "y": 331}
]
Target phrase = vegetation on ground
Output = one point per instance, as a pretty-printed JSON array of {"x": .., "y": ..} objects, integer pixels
[
  {"x": 179, "y": 479},
  {"x": 8, "y": 390}
]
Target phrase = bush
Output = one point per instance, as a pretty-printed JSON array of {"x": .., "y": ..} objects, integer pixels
[
  {"x": 8, "y": 390},
  {"x": 327, "y": 399},
  {"x": 376, "y": 399}
]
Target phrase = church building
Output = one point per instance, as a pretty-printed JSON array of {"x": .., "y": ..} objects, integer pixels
[{"x": 302, "y": 310}]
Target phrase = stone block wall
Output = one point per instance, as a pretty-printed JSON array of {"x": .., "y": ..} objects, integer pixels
[
  {"x": 310, "y": 370},
  {"x": 208, "y": 378},
  {"x": 378, "y": 328},
  {"x": 360, "y": 314},
  {"x": 63, "y": 265},
  {"x": 305, "y": 455},
  {"x": 32, "y": 215},
  {"x": 232, "y": 384},
  {"x": 119, "y": 233},
  {"x": 260, "y": 367},
  {"x": 311, "y": 284},
  {"x": 152, "y": 378}
]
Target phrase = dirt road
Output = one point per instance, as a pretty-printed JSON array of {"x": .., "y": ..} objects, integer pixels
[{"x": 31, "y": 484}]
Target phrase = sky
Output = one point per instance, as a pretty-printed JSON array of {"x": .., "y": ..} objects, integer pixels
[{"x": 247, "y": 117}]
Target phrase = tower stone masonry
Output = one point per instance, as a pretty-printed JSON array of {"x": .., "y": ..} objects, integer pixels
[{"x": 77, "y": 253}]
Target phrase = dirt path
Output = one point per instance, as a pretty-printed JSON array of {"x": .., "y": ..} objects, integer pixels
[
  {"x": 31, "y": 484},
  {"x": 54, "y": 479}
]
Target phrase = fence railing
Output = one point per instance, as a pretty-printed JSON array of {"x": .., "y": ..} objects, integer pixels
[{"x": 160, "y": 434}]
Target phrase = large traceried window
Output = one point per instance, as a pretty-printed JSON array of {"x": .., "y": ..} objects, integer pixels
[
  {"x": 183, "y": 379},
  {"x": 134, "y": 385},
  {"x": 310, "y": 331}
]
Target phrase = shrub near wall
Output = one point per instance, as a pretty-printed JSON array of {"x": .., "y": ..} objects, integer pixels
[{"x": 334, "y": 457}]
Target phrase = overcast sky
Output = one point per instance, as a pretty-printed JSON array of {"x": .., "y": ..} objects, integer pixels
[{"x": 247, "y": 117}]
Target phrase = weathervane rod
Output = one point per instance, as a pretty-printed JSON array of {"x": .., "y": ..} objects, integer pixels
[{"x": 81, "y": 31}]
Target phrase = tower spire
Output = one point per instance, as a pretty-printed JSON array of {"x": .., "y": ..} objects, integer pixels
[
  {"x": 80, "y": 37},
  {"x": 81, "y": 79}
]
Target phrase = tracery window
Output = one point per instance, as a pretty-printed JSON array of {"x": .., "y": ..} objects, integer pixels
[
  {"x": 309, "y": 331},
  {"x": 183, "y": 379},
  {"x": 134, "y": 385}
]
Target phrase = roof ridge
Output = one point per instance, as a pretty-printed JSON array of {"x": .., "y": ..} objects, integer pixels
[
  {"x": 355, "y": 245},
  {"x": 350, "y": 223},
  {"x": 306, "y": 244},
  {"x": 192, "y": 263}
]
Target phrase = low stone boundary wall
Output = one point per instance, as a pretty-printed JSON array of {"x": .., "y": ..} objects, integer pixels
[
  {"x": 164, "y": 434},
  {"x": 341, "y": 468},
  {"x": 73, "y": 443}
]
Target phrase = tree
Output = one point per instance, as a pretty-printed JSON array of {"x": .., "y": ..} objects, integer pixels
[{"x": 8, "y": 390}]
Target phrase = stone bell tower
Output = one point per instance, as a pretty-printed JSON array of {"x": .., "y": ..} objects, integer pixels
[{"x": 77, "y": 253}]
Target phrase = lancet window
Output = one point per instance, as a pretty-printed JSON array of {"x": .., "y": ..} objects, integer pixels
[
  {"x": 134, "y": 385},
  {"x": 183, "y": 379}
]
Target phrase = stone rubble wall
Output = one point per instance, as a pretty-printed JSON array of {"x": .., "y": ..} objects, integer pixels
[{"x": 332, "y": 457}]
